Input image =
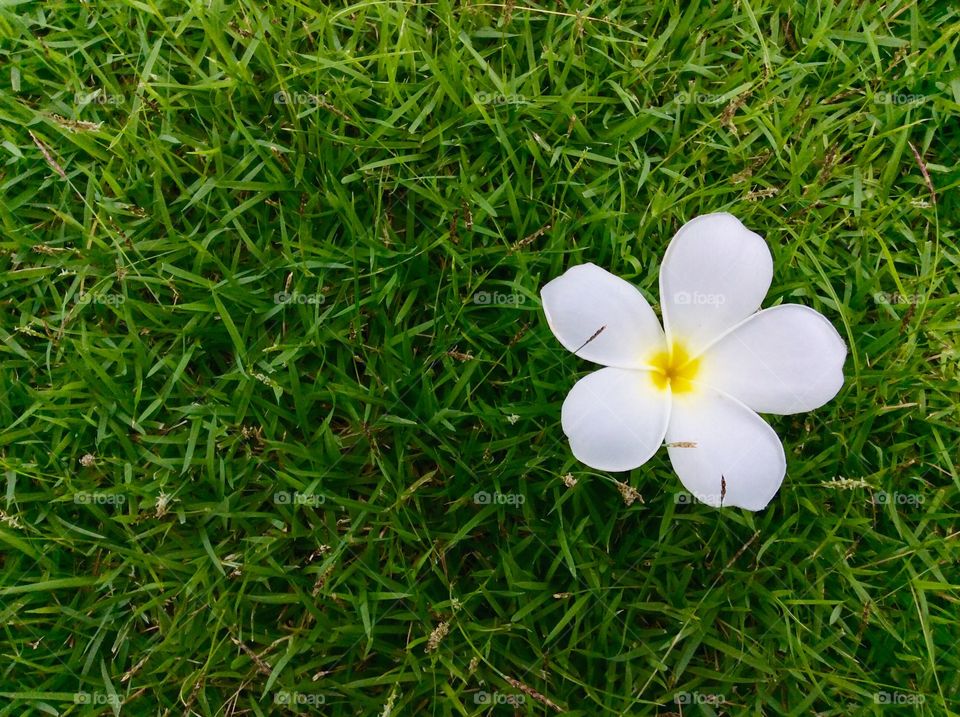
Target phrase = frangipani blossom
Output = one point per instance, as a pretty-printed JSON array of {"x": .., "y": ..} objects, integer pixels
[{"x": 699, "y": 382}]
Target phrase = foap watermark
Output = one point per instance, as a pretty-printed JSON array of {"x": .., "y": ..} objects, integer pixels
[
  {"x": 697, "y": 98},
  {"x": 698, "y": 698},
  {"x": 884, "y": 297},
  {"x": 495, "y": 298},
  {"x": 482, "y": 497},
  {"x": 295, "y": 98},
  {"x": 96, "y": 698},
  {"x": 697, "y": 298},
  {"x": 498, "y": 698},
  {"x": 283, "y": 497},
  {"x": 897, "y": 98},
  {"x": 897, "y": 698},
  {"x": 97, "y": 97},
  {"x": 298, "y": 698},
  {"x": 284, "y": 297},
  {"x": 486, "y": 98},
  {"x": 99, "y": 499},
  {"x": 684, "y": 498},
  {"x": 895, "y": 498},
  {"x": 91, "y": 297}
]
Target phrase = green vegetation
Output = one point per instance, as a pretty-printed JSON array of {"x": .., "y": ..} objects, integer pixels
[{"x": 269, "y": 321}]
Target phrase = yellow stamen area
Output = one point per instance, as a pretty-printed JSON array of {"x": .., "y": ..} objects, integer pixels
[{"x": 673, "y": 368}]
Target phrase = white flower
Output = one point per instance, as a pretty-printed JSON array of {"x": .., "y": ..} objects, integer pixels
[{"x": 700, "y": 381}]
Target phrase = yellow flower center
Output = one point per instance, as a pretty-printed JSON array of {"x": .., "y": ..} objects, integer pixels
[{"x": 673, "y": 368}]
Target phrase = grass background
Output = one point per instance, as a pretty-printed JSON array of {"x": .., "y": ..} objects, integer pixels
[{"x": 158, "y": 401}]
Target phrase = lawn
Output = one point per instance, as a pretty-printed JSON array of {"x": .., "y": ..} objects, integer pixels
[{"x": 280, "y": 409}]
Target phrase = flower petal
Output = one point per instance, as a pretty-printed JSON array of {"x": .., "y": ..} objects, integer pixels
[
  {"x": 715, "y": 273},
  {"x": 783, "y": 360},
  {"x": 723, "y": 445},
  {"x": 585, "y": 298},
  {"x": 615, "y": 418}
]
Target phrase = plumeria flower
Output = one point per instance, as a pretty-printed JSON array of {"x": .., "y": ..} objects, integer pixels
[{"x": 699, "y": 382}]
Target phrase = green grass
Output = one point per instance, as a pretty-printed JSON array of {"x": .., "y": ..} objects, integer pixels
[{"x": 158, "y": 402}]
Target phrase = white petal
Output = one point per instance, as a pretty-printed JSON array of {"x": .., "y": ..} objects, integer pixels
[
  {"x": 715, "y": 274},
  {"x": 615, "y": 418},
  {"x": 585, "y": 298},
  {"x": 787, "y": 359},
  {"x": 724, "y": 442}
]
